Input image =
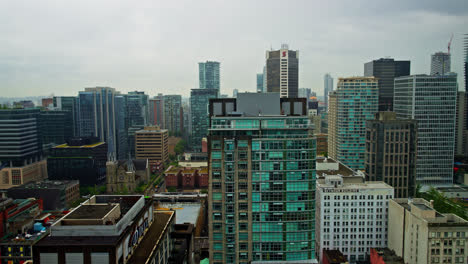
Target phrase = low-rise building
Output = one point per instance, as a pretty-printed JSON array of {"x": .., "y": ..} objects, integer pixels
[
  {"x": 194, "y": 160},
  {"x": 16, "y": 176},
  {"x": 55, "y": 195},
  {"x": 419, "y": 234},
  {"x": 186, "y": 177},
  {"x": 109, "y": 229},
  {"x": 351, "y": 214},
  {"x": 126, "y": 175},
  {"x": 333, "y": 256},
  {"x": 16, "y": 216}
]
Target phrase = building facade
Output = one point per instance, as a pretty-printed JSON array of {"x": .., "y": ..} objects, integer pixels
[
  {"x": 156, "y": 106},
  {"x": 69, "y": 103},
  {"x": 259, "y": 83},
  {"x": 96, "y": 114},
  {"x": 125, "y": 175},
  {"x": 421, "y": 235},
  {"x": 351, "y": 215},
  {"x": 199, "y": 100},
  {"x": 173, "y": 114},
  {"x": 20, "y": 137},
  {"x": 152, "y": 143},
  {"x": 431, "y": 101},
  {"x": 282, "y": 71},
  {"x": 82, "y": 159},
  {"x": 11, "y": 176},
  {"x": 208, "y": 73},
  {"x": 327, "y": 88},
  {"x": 461, "y": 138},
  {"x": 356, "y": 102},
  {"x": 56, "y": 127},
  {"x": 262, "y": 172},
  {"x": 385, "y": 70},
  {"x": 440, "y": 63},
  {"x": 391, "y": 152}
]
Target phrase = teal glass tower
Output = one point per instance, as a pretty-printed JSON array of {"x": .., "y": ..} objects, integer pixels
[
  {"x": 353, "y": 103},
  {"x": 199, "y": 99},
  {"x": 262, "y": 180}
]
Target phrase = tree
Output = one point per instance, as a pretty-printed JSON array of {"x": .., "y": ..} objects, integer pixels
[
  {"x": 180, "y": 147},
  {"x": 442, "y": 203}
]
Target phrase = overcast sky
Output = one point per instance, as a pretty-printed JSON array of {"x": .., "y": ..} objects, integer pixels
[{"x": 59, "y": 47}]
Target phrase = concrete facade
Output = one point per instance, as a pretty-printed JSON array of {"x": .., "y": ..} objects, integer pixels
[
  {"x": 421, "y": 235},
  {"x": 152, "y": 143}
]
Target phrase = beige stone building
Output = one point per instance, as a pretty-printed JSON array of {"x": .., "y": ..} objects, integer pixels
[
  {"x": 421, "y": 235},
  {"x": 152, "y": 143},
  {"x": 15, "y": 176},
  {"x": 126, "y": 175}
]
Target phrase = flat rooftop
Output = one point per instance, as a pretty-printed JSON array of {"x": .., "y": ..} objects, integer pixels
[
  {"x": 185, "y": 212},
  {"x": 334, "y": 255},
  {"x": 152, "y": 239},
  {"x": 82, "y": 146},
  {"x": 47, "y": 185},
  {"x": 91, "y": 211}
]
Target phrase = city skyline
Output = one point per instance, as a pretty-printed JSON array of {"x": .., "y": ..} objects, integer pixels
[{"x": 42, "y": 56}]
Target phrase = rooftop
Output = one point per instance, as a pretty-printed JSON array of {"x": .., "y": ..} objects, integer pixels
[
  {"x": 93, "y": 145},
  {"x": 91, "y": 211},
  {"x": 389, "y": 256},
  {"x": 186, "y": 212},
  {"x": 334, "y": 256},
  {"x": 151, "y": 129},
  {"x": 46, "y": 184},
  {"x": 152, "y": 238}
]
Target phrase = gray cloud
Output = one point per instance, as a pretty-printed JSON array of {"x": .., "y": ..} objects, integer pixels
[{"x": 62, "y": 46}]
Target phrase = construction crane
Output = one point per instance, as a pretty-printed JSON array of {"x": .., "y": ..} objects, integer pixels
[{"x": 449, "y": 44}]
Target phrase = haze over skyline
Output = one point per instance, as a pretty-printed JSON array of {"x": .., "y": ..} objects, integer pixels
[{"x": 154, "y": 46}]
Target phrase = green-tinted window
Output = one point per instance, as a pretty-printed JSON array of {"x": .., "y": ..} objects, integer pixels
[
  {"x": 217, "y": 246},
  {"x": 218, "y": 256},
  {"x": 242, "y": 143},
  {"x": 217, "y": 196},
  {"x": 256, "y": 197},
  {"x": 243, "y": 236},
  {"x": 217, "y": 236},
  {"x": 216, "y": 144},
  {"x": 216, "y": 154},
  {"x": 216, "y": 165},
  {"x": 256, "y": 145}
]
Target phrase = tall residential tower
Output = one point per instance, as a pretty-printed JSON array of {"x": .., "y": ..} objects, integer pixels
[
  {"x": 262, "y": 180},
  {"x": 327, "y": 88},
  {"x": 440, "y": 63},
  {"x": 208, "y": 73}
]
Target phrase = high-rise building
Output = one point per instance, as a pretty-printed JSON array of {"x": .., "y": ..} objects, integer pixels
[
  {"x": 82, "y": 159},
  {"x": 152, "y": 143},
  {"x": 199, "y": 100},
  {"x": 461, "y": 138},
  {"x": 385, "y": 70},
  {"x": 421, "y": 235},
  {"x": 69, "y": 103},
  {"x": 351, "y": 214},
  {"x": 391, "y": 152},
  {"x": 356, "y": 102},
  {"x": 97, "y": 115},
  {"x": 121, "y": 127},
  {"x": 282, "y": 71},
  {"x": 20, "y": 137},
  {"x": 305, "y": 93},
  {"x": 440, "y": 63},
  {"x": 208, "y": 73},
  {"x": 431, "y": 101},
  {"x": 259, "y": 82},
  {"x": 262, "y": 180},
  {"x": 327, "y": 88},
  {"x": 156, "y": 106},
  {"x": 173, "y": 114},
  {"x": 234, "y": 93},
  {"x": 56, "y": 127},
  {"x": 137, "y": 117}
]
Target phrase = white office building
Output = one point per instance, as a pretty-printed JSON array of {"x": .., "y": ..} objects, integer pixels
[{"x": 351, "y": 214}]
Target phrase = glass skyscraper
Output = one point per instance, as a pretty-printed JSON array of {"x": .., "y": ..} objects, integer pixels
[
  {"x": 282, "y": 71},
  {"x": 431, "y": 101},
  {"x": 96, "y": 114},
  {"x": 440, "y": 63},
  {"x": 199, "y": 100},
  {"x": 262, "y": 180},
  {"x": 259, "y": 82},
  {"x": 208, "y": 73},
  {"x": 69, "y": 103},
  {"x": 354, "y": 101},
  {"x": 327, "y": 88},
  {"x": 121, "y": 127},
  {"x": 173, "y": 115}
]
